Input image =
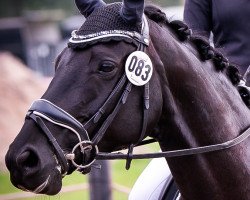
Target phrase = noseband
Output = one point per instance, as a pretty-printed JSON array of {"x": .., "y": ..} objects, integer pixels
[{"x": 45, "y": 110}]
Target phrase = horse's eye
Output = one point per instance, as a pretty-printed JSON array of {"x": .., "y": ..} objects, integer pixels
[{"x": 107, "y": 67}]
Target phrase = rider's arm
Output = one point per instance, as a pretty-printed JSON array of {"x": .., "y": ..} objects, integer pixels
[{"x": 198, "y": 16}]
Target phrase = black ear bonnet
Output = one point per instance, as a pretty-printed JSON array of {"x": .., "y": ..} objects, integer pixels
[{"x": 105, "y": 24}]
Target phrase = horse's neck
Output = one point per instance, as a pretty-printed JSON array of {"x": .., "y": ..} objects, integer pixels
[{"x": 201, "y": 108}]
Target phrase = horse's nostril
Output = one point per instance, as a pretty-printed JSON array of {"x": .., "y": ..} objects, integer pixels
[{"x": 27, "y": 159}]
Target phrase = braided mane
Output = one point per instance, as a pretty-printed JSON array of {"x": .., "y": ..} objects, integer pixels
[{"x": 205, "y": 50}]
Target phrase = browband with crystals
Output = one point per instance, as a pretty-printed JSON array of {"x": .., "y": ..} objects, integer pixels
[{"x": 142, "y": 38}]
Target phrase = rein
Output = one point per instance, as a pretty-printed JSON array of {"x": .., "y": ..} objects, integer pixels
[
  {"x": 181, "y": 152},
  {"x": 45, "y": 110}
]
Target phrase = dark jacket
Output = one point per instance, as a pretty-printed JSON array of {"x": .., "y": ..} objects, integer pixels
[{"x": 228, "y": 20}]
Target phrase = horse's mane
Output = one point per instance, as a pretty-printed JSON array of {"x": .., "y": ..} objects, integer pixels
[{"x": 205, "y": 50}]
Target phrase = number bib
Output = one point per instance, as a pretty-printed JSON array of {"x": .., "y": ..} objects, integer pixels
[{"x": 139, "y": 68}]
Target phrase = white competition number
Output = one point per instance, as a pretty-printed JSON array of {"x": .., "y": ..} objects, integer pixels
[{"x": 139, "y": 68}]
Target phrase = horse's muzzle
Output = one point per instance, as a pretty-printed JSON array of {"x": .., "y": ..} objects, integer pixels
[{"x": 30, "y": 172}]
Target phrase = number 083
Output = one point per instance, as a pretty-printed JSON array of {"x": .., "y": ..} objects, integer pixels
[{"x": 138, "y": 66}]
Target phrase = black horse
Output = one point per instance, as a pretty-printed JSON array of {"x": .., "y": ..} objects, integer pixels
[{"x": 125, "y": 76}]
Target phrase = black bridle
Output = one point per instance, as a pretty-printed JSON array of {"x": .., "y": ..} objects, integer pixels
[{"x": 45, "y": 110}]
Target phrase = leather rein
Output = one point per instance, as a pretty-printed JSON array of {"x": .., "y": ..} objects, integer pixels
[{"x": 43, "y": 109}]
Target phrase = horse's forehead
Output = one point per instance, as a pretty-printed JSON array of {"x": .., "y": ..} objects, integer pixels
[
  {"x": 101, "y": 50},
  {"x": 71, "y": 60}
]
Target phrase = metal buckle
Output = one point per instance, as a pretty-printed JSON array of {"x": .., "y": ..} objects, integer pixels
[{"x": 89, "y": 146}]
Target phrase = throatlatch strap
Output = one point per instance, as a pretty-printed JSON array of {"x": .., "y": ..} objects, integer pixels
[{"x": 144, "y": 127}]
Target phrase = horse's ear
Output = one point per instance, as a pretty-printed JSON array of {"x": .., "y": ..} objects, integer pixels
[
  {"x": 86, "y": 7},
  {"x": 132, "y": 11}
]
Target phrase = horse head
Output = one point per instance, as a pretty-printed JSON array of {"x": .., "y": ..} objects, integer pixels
[
  {"x": 64, "y": 130},
  {"x": 117, "y": 83}
]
